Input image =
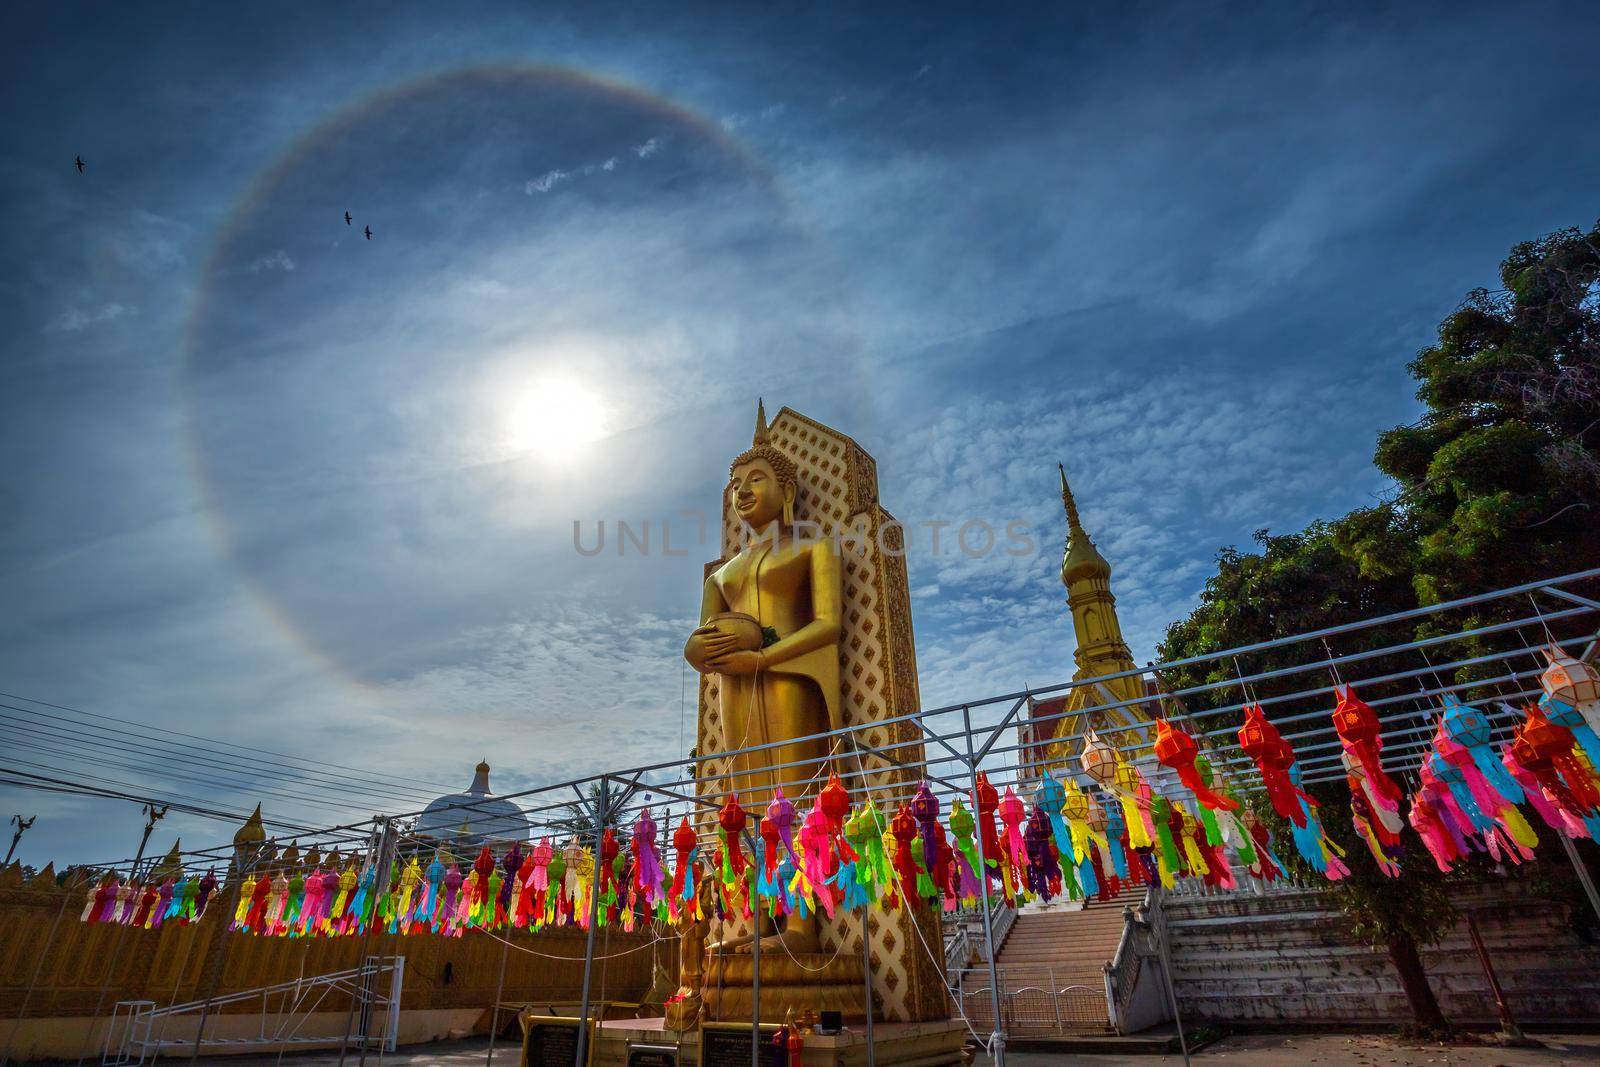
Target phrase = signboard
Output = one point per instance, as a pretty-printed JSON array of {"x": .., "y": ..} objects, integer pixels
[
  {"x": 550, "y": 1041},
  {"x": 728, "y": 1045},
  {"x": 652, "y": 1056}
]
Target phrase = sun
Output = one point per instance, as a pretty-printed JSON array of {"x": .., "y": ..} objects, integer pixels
[{"x": 554, "y": 418}]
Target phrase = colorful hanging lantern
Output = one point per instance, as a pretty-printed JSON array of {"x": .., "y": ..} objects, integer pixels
[
  {"x": 1469, "y": 728},
  {"x": 1361, "y": 733},
  {"x": 731, "y": 820},
  {"x": 1051, "y": 798},
  {"x": 1571, "y": 681},
  {"x": 1012, "y": 815},
  {"x": 903, "y": 830},
  {"x": 988, "y": 801},
  {"x": 1176, "y": 749},
  {"x": 1546, "y": 750},
  {"x": 925, "y": 809},
  {"x": 817, "y": 859},
  {"x": 1099, "y": 760},
  {"x": 1572, "y": 699},
  {"x": 1273, "y": 757},
  {"x": 684, "y": 843},
  {"x": 835, "y": 800}
]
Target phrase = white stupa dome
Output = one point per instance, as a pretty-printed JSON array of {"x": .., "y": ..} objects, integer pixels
[{"x": 469, "y": 820}]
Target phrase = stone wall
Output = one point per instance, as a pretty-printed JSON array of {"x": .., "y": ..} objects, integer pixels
[
  {"x": 53, "y": 966},
  {"x": 1289, "y": 957}
]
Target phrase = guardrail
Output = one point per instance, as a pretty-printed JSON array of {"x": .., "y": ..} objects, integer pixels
[
  {"x": 139, "y": 1030},
  {"x": 965, "y": 942},
  {"x": 1034, "y": 1002}
]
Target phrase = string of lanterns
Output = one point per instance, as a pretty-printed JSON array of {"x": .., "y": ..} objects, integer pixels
[{"x": 1062, "y": 842}]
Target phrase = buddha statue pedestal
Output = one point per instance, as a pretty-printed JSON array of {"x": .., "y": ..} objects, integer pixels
[{"x": 798, "y": 982}]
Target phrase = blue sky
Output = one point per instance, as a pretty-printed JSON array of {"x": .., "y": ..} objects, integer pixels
[{"x": 270, "y": 482}]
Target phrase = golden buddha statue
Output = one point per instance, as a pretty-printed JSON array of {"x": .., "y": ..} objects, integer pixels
[{"x": 770, "y": 623}]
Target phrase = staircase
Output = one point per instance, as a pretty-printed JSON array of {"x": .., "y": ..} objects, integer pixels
[{"x": 1051, "y": 968}]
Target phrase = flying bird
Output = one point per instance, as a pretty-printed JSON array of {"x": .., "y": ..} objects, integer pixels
[
  {"x": 368, "y": 231},
  {"x": 347, "y": 218},
  {"x": 79, "y": 161}
]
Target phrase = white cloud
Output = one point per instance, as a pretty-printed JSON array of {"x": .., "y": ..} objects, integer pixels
[
  {"x": 485, "y": 287},
  {"x": 1165, "y": 470},
  {"x": 552, "y": 178},
  {"x": 74, "y": 320},
  {"x": 278, "y": 260},
  {"x": 549, "y": 180}
]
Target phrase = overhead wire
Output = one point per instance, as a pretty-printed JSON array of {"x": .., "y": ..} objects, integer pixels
[
  {"x": 185, "y": 753},
  {"x": 404, "y": 780}
]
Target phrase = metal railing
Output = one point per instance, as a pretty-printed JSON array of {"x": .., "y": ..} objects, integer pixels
[
  {"x": 964, "y": 942},
  {"x": 1245, "y": 884},
  {"x": 1034, "y": 1002},
  {"x": 139, "y": 1031}
]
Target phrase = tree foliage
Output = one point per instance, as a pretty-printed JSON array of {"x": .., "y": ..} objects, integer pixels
[
  {"x": 1499, "y": 480},
  {"x": 1495, "y": 484}
]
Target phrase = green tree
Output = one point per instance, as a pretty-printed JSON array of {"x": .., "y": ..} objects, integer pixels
[
  {"x": 1499, "y": 480},
  {"x": 1495, "y": 484},
  {"x": 1396, "y": 916}
]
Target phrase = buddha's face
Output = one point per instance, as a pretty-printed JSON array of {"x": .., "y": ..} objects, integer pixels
[{"x": 758, "y": 495}]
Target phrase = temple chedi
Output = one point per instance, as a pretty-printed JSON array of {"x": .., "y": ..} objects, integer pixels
[{"x": 1101, "y": 650}]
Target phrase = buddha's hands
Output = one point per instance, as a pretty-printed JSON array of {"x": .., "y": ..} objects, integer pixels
[
  {"x": 707, "y": 643},
  {"x": 736, "y": 662}
]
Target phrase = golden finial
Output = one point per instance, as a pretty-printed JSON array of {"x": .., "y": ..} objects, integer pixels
[
  {"x": 1082, "y": 560},
  {"x": 170, "y": 865},
  {"x": 252, "y": 831},
  {"x": 761, "y": 437},
  {"x": 1071, "y": 505}
]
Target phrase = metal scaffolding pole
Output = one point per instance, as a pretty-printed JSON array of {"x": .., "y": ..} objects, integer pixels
[
  {"x": 154, "y": 813},
  {"x": 602, "y": 799},
  {"x": 997, "y": 1039},
  {"x": 499, "y": 991},
  {"x": 1583, "y": 872},
  {"x": 866, "y": 980},
  {"x": 755, "y": 967},
  {"x": 380, "y": 886}
]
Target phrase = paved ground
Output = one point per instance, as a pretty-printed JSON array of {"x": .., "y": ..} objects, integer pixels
[
  {"x": 1341, "y": 1050},
  {"x": 1260, "y": 1050}
]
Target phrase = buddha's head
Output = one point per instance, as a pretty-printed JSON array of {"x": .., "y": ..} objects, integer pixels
[{"x": 763, "y": 479}]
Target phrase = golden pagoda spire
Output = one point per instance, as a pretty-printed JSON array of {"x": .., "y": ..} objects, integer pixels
[
  {"x": 248, "y": 843},
  {"x": 1101, "y": 649},
  {"x": 761, "y": 436},
  {"x": 1082, "y": 562},
  {"x": 170, "y": 865},
  {"x": 1087, "y": 576},
  {"x": 1074, "y": 525},
  {"x": 252, "y": 831}
]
